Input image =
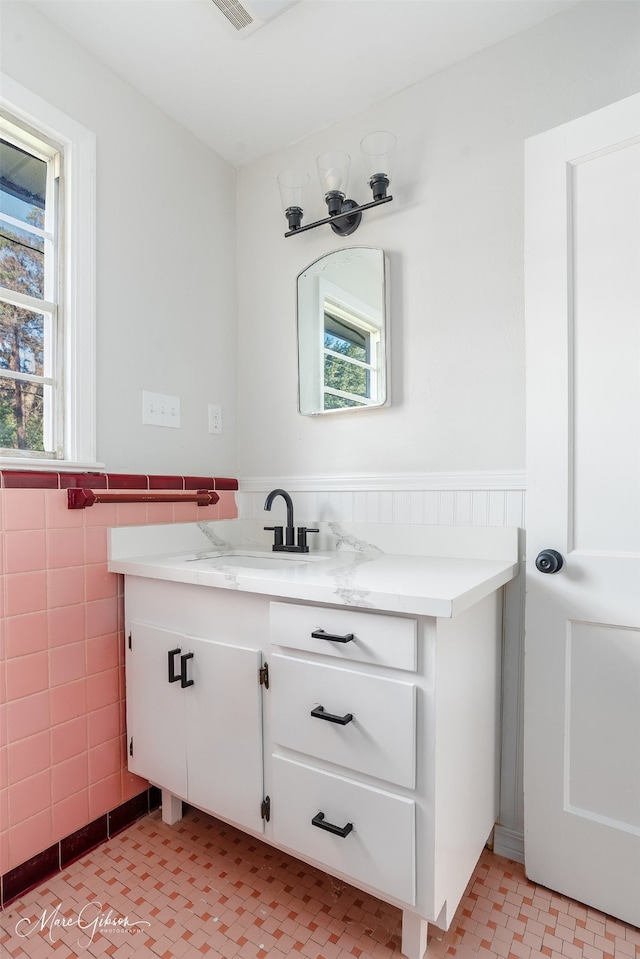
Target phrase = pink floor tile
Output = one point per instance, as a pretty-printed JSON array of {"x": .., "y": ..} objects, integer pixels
[{"x": 200, "y": 888}]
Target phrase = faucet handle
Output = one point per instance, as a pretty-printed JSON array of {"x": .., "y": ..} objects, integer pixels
[
  {"x": 302, "y": 538},
  {"x": 277, "y": 536}
]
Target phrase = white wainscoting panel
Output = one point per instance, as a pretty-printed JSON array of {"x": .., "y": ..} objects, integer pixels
[{"x": 434, "y": 499}]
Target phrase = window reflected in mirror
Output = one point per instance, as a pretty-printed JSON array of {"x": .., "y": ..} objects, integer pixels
[{"x": 342, "y": 318}]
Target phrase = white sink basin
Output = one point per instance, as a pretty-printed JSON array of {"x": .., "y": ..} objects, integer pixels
[{"x": 253, "y": 559}]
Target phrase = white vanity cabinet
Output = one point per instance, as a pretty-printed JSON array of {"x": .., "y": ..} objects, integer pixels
[{"x": 346, "y": 711}]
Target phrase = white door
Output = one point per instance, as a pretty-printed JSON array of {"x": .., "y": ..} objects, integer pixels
[{"x": 582, "y": 649}]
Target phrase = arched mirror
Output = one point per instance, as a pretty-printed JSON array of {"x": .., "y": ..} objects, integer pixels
[{"x": 342, "y": 332}]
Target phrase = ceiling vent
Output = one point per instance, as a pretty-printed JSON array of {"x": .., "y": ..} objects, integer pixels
[{"x": 247, "y": 17}]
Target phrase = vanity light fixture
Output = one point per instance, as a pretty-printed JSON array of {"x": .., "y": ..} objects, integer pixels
[{"x": 333, "y": 171}]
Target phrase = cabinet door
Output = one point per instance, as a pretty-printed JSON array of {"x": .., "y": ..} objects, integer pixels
[
  {"x": 155, "y": 708},
  {"x": 224, "y": 731}
]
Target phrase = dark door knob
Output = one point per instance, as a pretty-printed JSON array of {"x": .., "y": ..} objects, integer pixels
[{"x": 549, "y": 561}]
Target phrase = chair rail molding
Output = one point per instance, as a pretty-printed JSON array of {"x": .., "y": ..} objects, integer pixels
[{"x": 463, "y": 480}]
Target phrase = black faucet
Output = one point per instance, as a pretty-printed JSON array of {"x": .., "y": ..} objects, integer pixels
[{"x": 289, "y": 544}]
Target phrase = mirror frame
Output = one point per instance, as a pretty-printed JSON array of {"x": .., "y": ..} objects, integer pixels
[{"x": 310, "y": 354}]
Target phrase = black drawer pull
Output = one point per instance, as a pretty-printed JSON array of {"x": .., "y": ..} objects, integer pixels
[
  {"x": 184, "y": 682},
  {"x": 173, "y": 676},
  {"x": 319, "y": 713},
  {"x": 320, "y": 634},
  {"x": 320, "y": 822}
]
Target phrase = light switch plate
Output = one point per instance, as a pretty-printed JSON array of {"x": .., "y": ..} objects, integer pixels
[{"x": 160, "y": 410}]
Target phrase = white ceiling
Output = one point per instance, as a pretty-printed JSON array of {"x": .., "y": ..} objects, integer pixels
[{"x": 317, "y": 62}]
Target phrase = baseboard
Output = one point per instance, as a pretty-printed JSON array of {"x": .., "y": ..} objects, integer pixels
[{"x": 508, "y": 843}]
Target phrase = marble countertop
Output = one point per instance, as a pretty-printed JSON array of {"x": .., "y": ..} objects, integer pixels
[{"x": 429, "y": 571}]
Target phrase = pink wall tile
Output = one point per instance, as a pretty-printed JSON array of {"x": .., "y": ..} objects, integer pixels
[
  {"x": 25, "y": 634},
  {"x": 4, "y": 833},
  {"x": 130, "y": 514},
  {"x": 23, "y": 509},
  {"x": 105, "y": 760},
  {"x": 159, "y": 513},
  {"x": 28, "y": 757},
  {"x": 25, "y": 550},
  {"x": 103, "y": 689},
  {"x": 65, "y": 547},
  {"x": 102, "y": 617},
  {"x": 68, "y": 701},
  {"x": 27, "y": 716},
  {"x": 65, "y": 587},
  {"x": 99, "y": 582},
  {"x": 57, "y": 513},
  {"x": 103, "y": 652},
  {"x": 104, "y": 724},
  {"x": 70, "y": 814},
  {"x": 63, "y": 621},
  {"x": 29, "y": 796},
  {"x": 29, "y": 837},
  {"x": 27, "y": 675},
  {"x": 105, "y": 795},
  {"x": 25, "y": 593},
  {"x": 102, "y": 514},
  {"x": 66, "y": 624},
  {"x": 67, "y": 664},
  {"x": 69, "y": 777},
  {"x": 68, "y": 739},
  {"x": 95, "y": 544},
  {"x": 227, "y": 508},
  {"x": 185, "y": 512}
]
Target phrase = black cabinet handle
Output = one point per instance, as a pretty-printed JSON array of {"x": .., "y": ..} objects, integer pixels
[
  {"x": 321, "y": 823},
  {"x": 173, "y": 676},
  {"x": 319, "y": 713},
  {"x": 184, "y": 682},
  {"x": 320, "y": 634}
]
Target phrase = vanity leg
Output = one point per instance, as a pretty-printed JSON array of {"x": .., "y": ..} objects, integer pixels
[
  {"x": 171, "y": 808},
  {"x": 414, "y": 935}
]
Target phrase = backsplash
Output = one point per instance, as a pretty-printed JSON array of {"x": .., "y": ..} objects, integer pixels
[{"x": 62, "y": 712}]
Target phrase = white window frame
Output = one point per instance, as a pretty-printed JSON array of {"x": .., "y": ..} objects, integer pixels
[{"x": 78, "y": 278}]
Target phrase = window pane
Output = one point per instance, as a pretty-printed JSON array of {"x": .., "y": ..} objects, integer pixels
[
  {"x": 21, "y": 414},
  {"x": 345, "y": 376},
  {"x": 333, "y": 402},
  {"x": 341, "y": 337},
  {"x": 21, "y": 340},
  {"x": 23, "y": 181},
  {"x": 21, "y": 261}
]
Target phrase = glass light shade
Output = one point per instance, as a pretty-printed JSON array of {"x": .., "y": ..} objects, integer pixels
[
  {"x": 378, "y": 150},
  {"x": 291, "y": 185},
  {"x": 333, "y": 171}
]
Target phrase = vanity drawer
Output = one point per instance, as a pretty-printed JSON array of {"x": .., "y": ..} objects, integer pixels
[
  {"x": 376, "y": 639},
  {"x": 379, "y": 850},
  {"x": 379, "y": 739}
]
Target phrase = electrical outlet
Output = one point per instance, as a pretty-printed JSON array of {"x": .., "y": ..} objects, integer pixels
[
  {"x": 215, "y": 418},
  {"x": 160, "y": 410}
]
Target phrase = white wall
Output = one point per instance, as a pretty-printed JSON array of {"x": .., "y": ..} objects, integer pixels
[
  {"x": 166, "y": 305},
  {"x": 454, "y": 235}
]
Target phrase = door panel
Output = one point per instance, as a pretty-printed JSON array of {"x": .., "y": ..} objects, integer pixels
[{"x": 582, "y": 646}]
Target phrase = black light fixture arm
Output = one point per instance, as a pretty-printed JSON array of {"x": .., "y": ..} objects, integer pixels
[{"x": 337, "y": 217}]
